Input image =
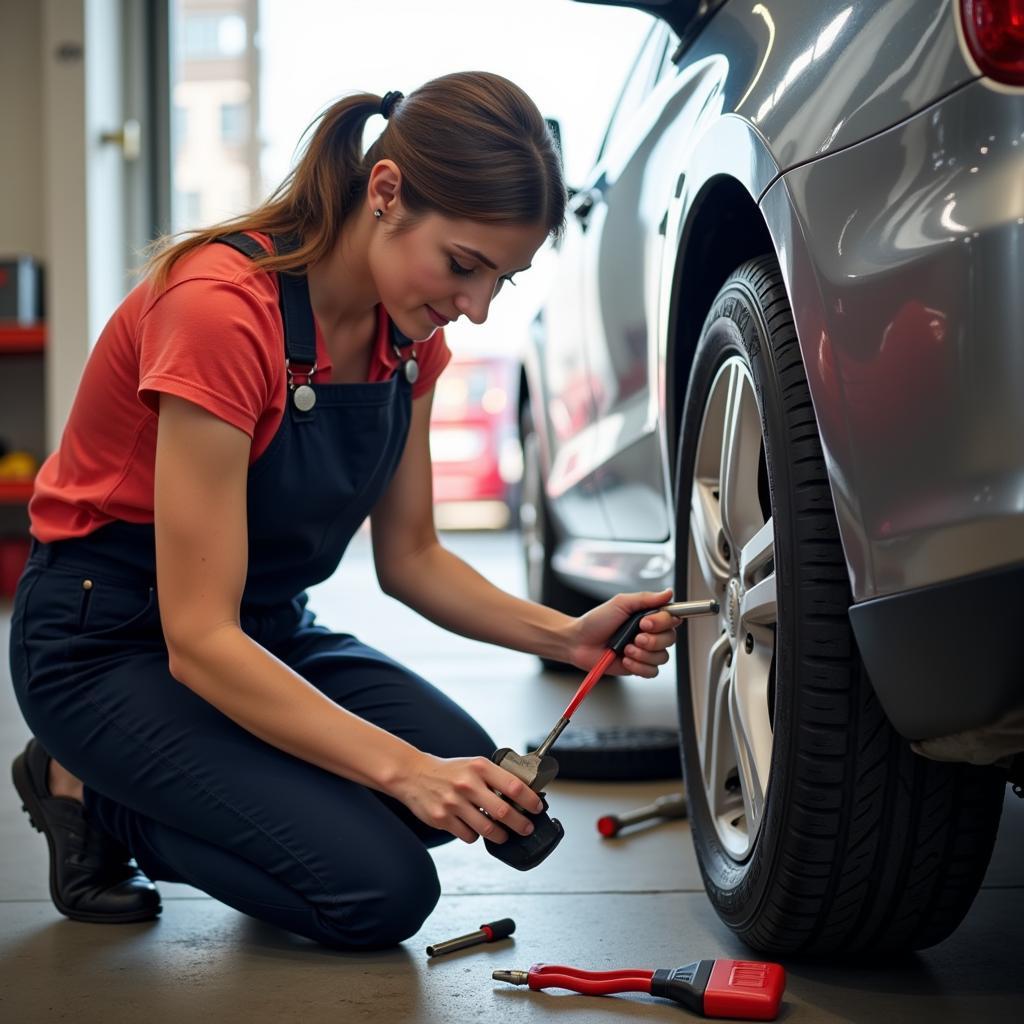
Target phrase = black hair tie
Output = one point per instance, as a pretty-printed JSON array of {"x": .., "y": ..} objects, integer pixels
[{"x": 387, "y": 104}]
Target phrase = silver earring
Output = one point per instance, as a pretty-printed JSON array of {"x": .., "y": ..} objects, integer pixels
[{"x": 378, "y": 214}]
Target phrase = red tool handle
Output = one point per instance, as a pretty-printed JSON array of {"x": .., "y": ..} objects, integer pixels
[
  {"x": 740, "y": 989},
  {"x": 625, "y": 635},
  {"x": 590, "y": 983},
  {"x": 588, "y": 683},
  {"x": 495, "y": 930}
]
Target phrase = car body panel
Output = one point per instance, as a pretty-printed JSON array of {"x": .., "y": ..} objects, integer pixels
[
  {"x": 903, "y": 256},
  {"x": 625, "y": 253},
  {"x": 573, "y": 432},
  {"x": 850, "y": 72},
  {"x": 816, "y": 77},
  {"x": 685, "y": 16},
  {"x": 621, "y": 289}
]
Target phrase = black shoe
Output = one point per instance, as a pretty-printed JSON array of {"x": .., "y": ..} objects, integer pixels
[{"x": 90, "y": 877}]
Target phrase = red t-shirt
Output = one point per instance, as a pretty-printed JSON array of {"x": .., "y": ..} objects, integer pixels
[{"x": 212, "y": 335}]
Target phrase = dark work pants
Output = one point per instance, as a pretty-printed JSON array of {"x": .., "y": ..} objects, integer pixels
[{"x": 198, "y": 799}]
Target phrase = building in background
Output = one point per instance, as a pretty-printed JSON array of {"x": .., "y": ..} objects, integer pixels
[{"x": 215, "y": 111}]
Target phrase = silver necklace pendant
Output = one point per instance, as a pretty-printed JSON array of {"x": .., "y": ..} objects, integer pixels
[
  {"x": 412, "y": 370},
  {"x": 304, "y": 398}
]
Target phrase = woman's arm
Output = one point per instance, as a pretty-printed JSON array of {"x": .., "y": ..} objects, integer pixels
[
  {"x": 202, "y": 553},
  {"x": 413, "y": 567}
]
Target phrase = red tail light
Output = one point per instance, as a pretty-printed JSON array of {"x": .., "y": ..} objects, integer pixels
[{"x": 995, "y": 35}]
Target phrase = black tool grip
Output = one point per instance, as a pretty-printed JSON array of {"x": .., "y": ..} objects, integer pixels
[
  {"x": 499, "y": 929},
  {"x": 525, "y": 852},
  {"x": 628, "y": 631},
  {"x": 685, "y": 985}
]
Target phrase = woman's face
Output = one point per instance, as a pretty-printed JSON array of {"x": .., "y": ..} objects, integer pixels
[{"x": 442, "y": 268}]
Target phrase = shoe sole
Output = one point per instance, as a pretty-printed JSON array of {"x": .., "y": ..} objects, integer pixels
[{"x": 30, "y": 805}]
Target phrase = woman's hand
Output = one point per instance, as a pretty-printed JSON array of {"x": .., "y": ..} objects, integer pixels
[
  {"x": 590, "y": 634},
  {"x": 449, "y": 792}
]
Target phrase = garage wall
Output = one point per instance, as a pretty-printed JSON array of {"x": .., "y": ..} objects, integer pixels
[
  {"x": 21, "y": 140},
  {"x": 63, "y": 189}
]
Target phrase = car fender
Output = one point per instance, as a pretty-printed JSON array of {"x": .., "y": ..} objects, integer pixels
[{"x": 731, "y": 148}]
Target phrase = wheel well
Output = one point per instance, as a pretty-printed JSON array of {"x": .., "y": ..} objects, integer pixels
[{"x": 727, "y": 229}]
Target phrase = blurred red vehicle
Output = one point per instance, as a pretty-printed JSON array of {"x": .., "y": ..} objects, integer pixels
[{"x": 474, "y": 442}]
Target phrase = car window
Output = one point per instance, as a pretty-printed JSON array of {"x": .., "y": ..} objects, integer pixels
[{"x": 639, "y": 83}]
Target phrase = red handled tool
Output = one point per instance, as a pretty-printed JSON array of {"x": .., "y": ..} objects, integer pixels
[
  {"x": 673, "y": 805},
  {"x": 740, "y": 989},
  {"x": 539, "y": 768},
  {"x": 625, "y": 635}
]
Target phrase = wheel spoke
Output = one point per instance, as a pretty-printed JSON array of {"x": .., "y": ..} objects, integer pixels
[
  {"x": 757, "y": 553},
  {"x": 741, "y": 451},
  {"x": 722, "y": 762},
  {"x": 705, "y": 507},
  {"x": 758, "y": 605},
  {"x": 751, "y": 728},
  {"x": 713, "y": 712},
  {"x": 705, "y": 528}
]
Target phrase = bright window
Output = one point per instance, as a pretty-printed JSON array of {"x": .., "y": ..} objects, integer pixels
[{"x": 250, "y": 75}]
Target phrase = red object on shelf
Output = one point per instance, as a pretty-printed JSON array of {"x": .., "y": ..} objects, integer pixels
[
  {"x": 13, "y": 556},
  {"x": 16, "y": 338},
  {"x": 15, "y": 492}
]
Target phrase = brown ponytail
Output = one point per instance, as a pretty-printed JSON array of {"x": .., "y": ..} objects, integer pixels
[{"x": 469, "y": 145}]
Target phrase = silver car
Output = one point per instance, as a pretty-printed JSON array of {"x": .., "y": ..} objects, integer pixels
[{"x": 782, "y": 365}]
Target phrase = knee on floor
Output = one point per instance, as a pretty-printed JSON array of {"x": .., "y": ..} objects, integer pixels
[{"x": 385, "y": 913}]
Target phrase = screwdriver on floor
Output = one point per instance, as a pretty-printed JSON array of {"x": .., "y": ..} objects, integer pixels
[
  {"x": 492, "y": 932},
  {"x": 739, "y": 989},
  {"x": 539, "y": 768}
]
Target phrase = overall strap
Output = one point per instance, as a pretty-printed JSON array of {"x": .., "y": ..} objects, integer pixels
[
  {"x": 245, "y": 244},
  {"x": 399, "y": 340},
  {"x": 296, "y": 311}
]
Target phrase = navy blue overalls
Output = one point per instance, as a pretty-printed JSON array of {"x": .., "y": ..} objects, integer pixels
[{"x": 195, "y": 797}]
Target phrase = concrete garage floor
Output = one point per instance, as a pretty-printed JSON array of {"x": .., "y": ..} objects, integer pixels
[{"x": 632, "y": 902}]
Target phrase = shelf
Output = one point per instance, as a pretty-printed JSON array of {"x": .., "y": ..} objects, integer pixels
[
  {"x": 15, "y": 338},
  {"x": 15, "y": 492}
]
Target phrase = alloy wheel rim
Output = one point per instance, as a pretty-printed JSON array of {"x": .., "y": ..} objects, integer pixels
[{"x": 731, "y": 558}]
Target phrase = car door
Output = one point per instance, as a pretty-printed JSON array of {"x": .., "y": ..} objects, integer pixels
[
  {"x": 573, "y": 393},
  {"x": 619, "y": 215},
  {"x": 558, "y": 346}
]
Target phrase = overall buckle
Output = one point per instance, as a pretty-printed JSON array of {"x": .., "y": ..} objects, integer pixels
[{"x": 303, "y": 395}]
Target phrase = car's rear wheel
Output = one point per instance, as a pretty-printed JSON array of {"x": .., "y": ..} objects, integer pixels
[
  {"x": 816, "y": 827},
  {"x": 537, "y": 537}
]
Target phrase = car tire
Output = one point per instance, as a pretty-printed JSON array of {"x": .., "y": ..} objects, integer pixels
[
  {"x": 537, "y": 538},
  {"x": 853, "y": 843},
  {"x": 615, "y": 753}
]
